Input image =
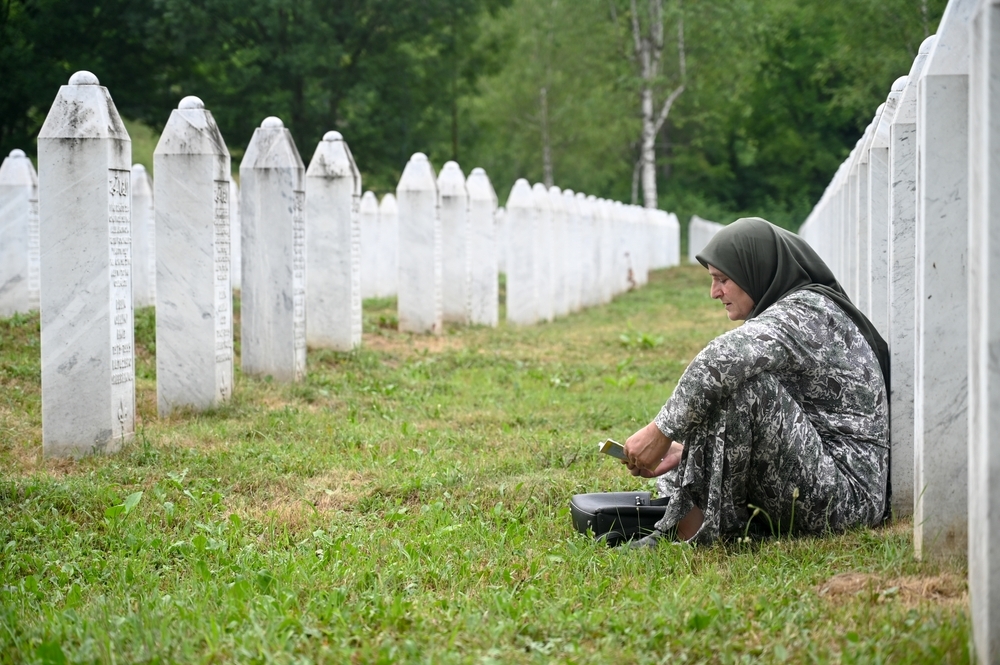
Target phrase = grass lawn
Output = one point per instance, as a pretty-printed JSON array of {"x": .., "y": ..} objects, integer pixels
[{"x": 409, "y": 503}]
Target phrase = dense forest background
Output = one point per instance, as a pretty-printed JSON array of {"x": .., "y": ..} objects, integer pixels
[{"x": 776, "y": 92}]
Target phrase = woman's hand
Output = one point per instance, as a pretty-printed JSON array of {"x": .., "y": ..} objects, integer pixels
[{"x": 650, "y": 453}]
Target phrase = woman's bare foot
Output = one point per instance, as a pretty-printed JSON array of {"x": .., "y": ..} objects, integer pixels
[{"x": 690, "y": 523}]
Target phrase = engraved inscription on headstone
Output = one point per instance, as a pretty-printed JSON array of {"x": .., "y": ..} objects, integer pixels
[
  {"x": 120, "y": 235},
  {"x": 299, "y": 283},
  {"x": 34, "y": 276},
  {"x": 223, "y": 293}
]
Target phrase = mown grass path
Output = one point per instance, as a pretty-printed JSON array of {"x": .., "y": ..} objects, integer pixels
[{"x": 409, "y": 503}]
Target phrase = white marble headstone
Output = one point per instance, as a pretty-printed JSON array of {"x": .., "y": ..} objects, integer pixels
[
  {"x": 608, "y": 267},
  {"x": 456, "y": 267},
  {"x": 85, "y": 220},
  {"x": 544, "y": 265},
  {"x": 572, "y": 252},
  {"x": 501, "y": 226},
  {"x": 235, "y": 234},
  {"x": 143, "y": 239},
  {"x": 194, "y": 296},
  {"x": 587, "y": 260},
  {"x": 941, "y": 381},
  {"x": 878, "y": 213},
  {"x": 420, "y": 249},
  {"x": 273, "y": 295},
  {"x": 372, "y": 247},
  {"x": 559, "y": 256},
  {"x": 522, "y": 252},
  {"x": 484, "y": 302},
  {"x": 18, "y": 235},
  {"x": 333, "y": 247},
  {"x": 388, "y": 221},
  {"x": 984, "y": 339}
]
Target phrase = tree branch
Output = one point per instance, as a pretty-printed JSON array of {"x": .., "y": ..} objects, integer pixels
[
  {"x": 681, "y": 55},
  {"x": 665, "y": 111},
  {"x": 637, "y": 36}
]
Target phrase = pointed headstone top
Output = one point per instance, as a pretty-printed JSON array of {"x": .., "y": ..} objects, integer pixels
[
  {"x": 418, "y": 175},
  {"x": 333, "y": 159},
  {"x": 369, "y": 203},
  {"x": 520, "y": 195},
  {"x": 451, "y": 180},
  {"x": 84, "y": 110},
  {"x": 388, "y": 205},
  {"x": 191, "y": 130},
  {"x": 83, "y": 77},
  {"x": 541, "y": 194},
  {"x": 17, "y": 170},
  {"x": 479, "y": 186},
  {"x": 272, "y": 147},
  {"x": 191, "y": 102}
]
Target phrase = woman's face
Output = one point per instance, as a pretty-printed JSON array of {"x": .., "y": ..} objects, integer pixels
[{"x": 738, "y": 303}]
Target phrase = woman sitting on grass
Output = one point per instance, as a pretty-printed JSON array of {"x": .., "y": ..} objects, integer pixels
[{"x": 787, "y": 413}]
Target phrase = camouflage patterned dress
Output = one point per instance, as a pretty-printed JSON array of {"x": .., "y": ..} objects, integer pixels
[{"x": 788, "y": 413}]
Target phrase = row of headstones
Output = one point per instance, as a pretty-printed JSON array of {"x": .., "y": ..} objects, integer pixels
[
  {"x": 564, "y": 251},
  {"x": 700, "y": 231},
  {"x": 909, "y": 224},
  {"x": 300, "y": 239}
]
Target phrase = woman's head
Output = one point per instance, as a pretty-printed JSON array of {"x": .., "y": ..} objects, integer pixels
[
  {"x": 764, "y": 262},
  {"x": 738, "y": 303}
]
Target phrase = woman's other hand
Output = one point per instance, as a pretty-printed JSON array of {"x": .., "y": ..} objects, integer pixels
[{"x": 649, "y": 453}]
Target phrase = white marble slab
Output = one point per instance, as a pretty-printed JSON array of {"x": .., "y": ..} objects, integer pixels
[
  {"x": 588, "y": 256},
  {"x": 143, "y": 239},
  {"x": 483, "y": 297},
  {"x": 700, "y": 231},
  {"x": 456, "y": 266},
  {"x": 333, "y": 247},
  {"x": 862, "y": 273},
  {"x": 501, "y": 226},
  {"x": 558, "y": 256},
  {"x": 522, "y": 253},
  {"x": 18, "y": 235},
  {"x": 420, "y": 249},
  {"x": 84, "y": 194},
  {"x": 388, "y": 219},
  {"x": 606, "y": 239},
  {"x": 984, "y": 328},
  {"x": 902, "y": 286},
  {"x": 273, "y": 295},
  {"x": 194, "y": 296},
  {"x": 878, "y": 213},
  {"x": 543, "y": 264},
  {"x": 941, "y": 381},
  {"x": 372, "y": 247},
  {"x": 235, "y": 234}
]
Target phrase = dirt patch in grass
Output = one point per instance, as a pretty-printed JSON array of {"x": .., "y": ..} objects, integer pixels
[
  {"x": 409, "y": 344},
  {"x": 910, "y": 590},
  {"x": 338, "y": 489}
]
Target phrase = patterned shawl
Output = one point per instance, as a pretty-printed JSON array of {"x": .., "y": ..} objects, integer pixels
[{"x": 769, "y": 263}]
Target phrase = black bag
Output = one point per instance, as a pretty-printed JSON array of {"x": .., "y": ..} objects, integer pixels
[{"x": 615, "y": 517}]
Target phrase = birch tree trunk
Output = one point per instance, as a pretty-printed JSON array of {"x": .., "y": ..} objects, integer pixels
[{"x": 647, "y": 55}]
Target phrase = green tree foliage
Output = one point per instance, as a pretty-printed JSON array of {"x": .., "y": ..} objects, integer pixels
[
  {"x": 386, "y": 73},
  {"x": 42, "y": 42},
  {"x": 777, "y": 91}
]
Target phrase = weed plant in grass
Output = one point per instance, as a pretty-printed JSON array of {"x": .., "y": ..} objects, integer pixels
[{"x": 408, "y": 503}]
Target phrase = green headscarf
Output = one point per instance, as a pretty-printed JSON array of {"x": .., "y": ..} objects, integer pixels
[{"x": 769, "y": 263}]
